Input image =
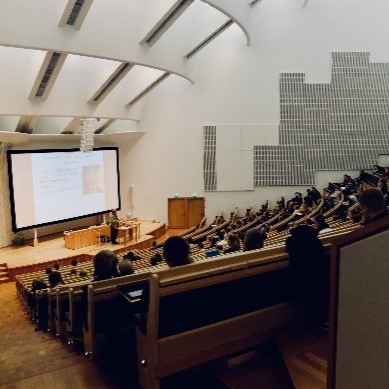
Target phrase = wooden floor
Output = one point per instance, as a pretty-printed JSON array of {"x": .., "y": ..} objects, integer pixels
[
  {"x": 34, "y": 359},
  {"x": 53, "y": 247}
]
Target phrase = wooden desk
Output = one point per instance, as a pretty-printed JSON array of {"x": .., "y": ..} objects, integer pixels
[
  {"x": 129, "y": 231},
  {"x": 85, "y": 237}
]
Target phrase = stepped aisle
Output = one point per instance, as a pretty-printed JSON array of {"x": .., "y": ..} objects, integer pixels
[{"x": 32, "y": 358}]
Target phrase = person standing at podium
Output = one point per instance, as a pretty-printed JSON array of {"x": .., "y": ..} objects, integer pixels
[{"x": 114, "y": 224}]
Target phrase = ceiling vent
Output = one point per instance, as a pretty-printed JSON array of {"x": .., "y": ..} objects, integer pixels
[
  {"x": 167, "y": 21},
  {"x": 209, "y": 39},
  {"x": 47, "y": 75},
  {"x": 112, "y": 81},
  {"x": 75, "y": 13},
  {"x": 26, "y": 124},
  {"x": 149, "y": 88}
]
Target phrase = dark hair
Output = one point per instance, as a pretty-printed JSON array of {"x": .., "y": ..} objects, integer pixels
[
  {"x": 310, "y": 270},
  {"x": 55, "y": 278},
  {"x": 373, "y": 199},
  {"x": 48, "y": 270},
  {"x": 56, "y": 266},
  {"x": 129, "y": 255},
  {"x": 321, "y": 221},
  {"x": 176, "y": 251},
  {"x": 233, "y": 240},
  {"x": 105, "y": 264},
  {"x": 38, "y": 284},
  {"x": 253, "y": 240},
  {"x": 74, "y": 262},
  {"x": 126, "y": 268},
  {"x": 155, "y": 259}
]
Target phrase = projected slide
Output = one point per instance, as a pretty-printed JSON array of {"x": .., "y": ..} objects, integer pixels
[{"x": 51, "y": 186}]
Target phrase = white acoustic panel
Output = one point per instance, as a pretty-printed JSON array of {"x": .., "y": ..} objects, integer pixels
[
  {"x": 265, "y": 135},
  {"x": 228, "y": 138},
  {"x": 247, "y": 169},
  {"x": 229, "y": 170},
  {"x": 235, "y": 157}
]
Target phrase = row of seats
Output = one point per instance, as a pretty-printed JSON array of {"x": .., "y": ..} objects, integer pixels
[{"x": 69, "y": 312}]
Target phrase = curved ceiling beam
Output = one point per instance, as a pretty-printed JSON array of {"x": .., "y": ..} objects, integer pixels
[
  {"x": 231, "y": 16},
  {"x": 56, "y": 50}
]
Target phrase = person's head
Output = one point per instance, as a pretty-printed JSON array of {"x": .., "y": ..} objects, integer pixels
[
  {"x": 126, "y": 268},
  {"x": 105, "y": 264},
  {"x": 176, "y": 251},
  {"x": 372, "y": 203},
  {"x": 155, "y": 259},
  {"x": 38, "y": 284},
  {"x": 233, "y": 240},
  {"x": 74, "y": 262},
  {"x": 48, "y": 270},
  {"x": 319, "y": 220},
  {"x": 253, "y": 240},
  {"x": 56, "y": 266},
  {"x": 55, "y": 279},
  {"x": 302, "y": 237},
  {"x": 129, "y": 256}
]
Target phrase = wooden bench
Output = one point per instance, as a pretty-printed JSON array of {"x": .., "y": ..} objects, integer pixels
[
  {"x": 102, "y": 306},
  {"x": 211, "y": 309}
]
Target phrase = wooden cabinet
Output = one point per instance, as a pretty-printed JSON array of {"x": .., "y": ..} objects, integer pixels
[{"x": 185, "y": 212}]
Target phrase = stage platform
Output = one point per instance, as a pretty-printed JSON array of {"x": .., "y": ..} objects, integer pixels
[{"x": 51, "y": 249}]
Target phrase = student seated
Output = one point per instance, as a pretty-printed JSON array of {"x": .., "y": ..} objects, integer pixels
[
  {"x": 176, "y": 251},
  {"x": 105, "y": 265},
  {"x": 233, "y": 244},
  {"x": 320, "y": 224},
  {"x": 372, "y": 205},
  {"x": 310, "y": 268},
  {"x": 126, "y": 268},
  {"x": 253, "y": 240},
  {"x": 55, "y": 279},
  {"x": 74, "y": 267},
  {"x": 155, "y": 259}
]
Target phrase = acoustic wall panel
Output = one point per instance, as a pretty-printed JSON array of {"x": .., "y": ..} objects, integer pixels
[
  {"x": 229, "y": 172},
  {"x": 343, "y": 125},
  {"x": 209, "y": 163},
  {"x": 234, "y": 157}
]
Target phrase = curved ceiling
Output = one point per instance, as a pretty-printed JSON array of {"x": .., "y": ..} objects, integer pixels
[{"x": 65, "y": 60}]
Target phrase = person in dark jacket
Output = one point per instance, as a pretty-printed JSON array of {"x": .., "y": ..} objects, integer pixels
[{"x": 310, "y": 270}]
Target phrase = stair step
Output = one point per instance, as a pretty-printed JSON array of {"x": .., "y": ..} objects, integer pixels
[{"x": 304, "y": 349}]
